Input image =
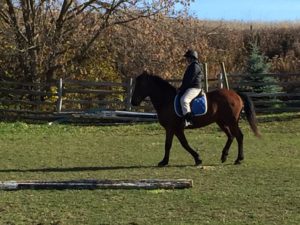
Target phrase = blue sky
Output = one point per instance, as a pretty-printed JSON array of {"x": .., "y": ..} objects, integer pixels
[{"x": 247, "y": 10}]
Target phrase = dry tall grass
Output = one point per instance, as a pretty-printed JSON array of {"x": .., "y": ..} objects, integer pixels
[{"x": 158, "y": 45}]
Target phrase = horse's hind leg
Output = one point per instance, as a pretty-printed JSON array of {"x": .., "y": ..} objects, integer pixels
[
  {"x": 230, "y": 138},
  {"x": 240, "y": 138},
  {"x": 236, "y": 132},
  {"x": 168, "y": 145},
  {"x": 181, "y": 137}
]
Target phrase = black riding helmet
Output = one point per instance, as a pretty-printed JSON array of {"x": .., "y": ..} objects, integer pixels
[{"x": 192, "y": 54}]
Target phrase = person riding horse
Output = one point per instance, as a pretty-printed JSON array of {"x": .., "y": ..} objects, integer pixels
[
  {"x": 191, "y": 84},
  {"x": 224, "y": 107}
]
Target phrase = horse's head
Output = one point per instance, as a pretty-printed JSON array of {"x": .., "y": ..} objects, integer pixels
[{"x": 140, "y": 89}]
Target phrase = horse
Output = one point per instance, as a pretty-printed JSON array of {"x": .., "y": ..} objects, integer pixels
[{"x": 224, "y": 107}]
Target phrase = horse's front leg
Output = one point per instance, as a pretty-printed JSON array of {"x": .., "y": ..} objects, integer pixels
[
  {"x": 168, "y": 145},
  {"x": 181, "y": 137}
]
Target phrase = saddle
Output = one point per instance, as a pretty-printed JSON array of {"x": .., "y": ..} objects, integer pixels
[{"x": 198, "y": 105}]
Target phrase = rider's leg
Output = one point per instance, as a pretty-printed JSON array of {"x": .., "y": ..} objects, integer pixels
[{"x": 185, "y": 101}]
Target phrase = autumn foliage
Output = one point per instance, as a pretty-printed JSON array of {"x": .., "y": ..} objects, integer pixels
[
  {"x": 158, "y": 44},
  {"x": 155, "y": 42}
]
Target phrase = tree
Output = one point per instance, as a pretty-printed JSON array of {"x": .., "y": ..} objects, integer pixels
[
  {"x": 257, "y": 69},
  {"x": 157, "y": 45},
  {"x": 50, "y": 36}
]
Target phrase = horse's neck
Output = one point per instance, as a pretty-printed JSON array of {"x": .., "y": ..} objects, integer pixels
[{"x": 162, "y": 98}]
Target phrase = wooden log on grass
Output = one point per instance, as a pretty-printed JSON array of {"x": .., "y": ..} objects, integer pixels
[{"x": 147, "y": 184}]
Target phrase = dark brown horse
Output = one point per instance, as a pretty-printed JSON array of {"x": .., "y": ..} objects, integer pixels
[{"x": 224, "y": 108}]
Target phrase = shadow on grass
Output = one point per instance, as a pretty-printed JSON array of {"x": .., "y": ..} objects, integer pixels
[{"x": 96, "y": 168}]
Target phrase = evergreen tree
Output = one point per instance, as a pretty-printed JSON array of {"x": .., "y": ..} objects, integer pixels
[
  {"x": 256, "y": 62},
  {"x": 257, "y": 69},
  {"x": 257, "y": 79}
]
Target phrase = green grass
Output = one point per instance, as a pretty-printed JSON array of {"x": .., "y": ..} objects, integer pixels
[{"x": 265, "y": 189}]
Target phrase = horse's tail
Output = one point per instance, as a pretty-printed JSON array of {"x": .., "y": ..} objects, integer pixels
[{"x": 250, "y": 113}]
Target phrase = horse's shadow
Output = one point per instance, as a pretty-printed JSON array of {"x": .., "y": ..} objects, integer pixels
[
  {"x": 88, "y": 168},
  {"x": 82, "y": 169},
  {"x": 102, "y": 168}
]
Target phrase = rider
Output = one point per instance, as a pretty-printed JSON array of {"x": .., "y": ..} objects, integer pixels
[{"x": 191, "y": 84}]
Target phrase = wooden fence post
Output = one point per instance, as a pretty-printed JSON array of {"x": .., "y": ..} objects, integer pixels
[
  {"x": 59, "y": 94},
  {"x": 224, "y": 75},
  {"x": 220, "y": 80},
  {"x": 129, "y": 94},
  {"x": 205, "y": 77}
]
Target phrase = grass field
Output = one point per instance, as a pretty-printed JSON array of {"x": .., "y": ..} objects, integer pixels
[{"x": 265, "y": 189}]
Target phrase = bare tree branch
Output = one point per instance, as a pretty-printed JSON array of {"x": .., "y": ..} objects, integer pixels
[{"x": 50, "y": 35}]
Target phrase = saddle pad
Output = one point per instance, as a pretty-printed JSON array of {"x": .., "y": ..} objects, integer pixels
[{"x": 198, "y": 106}]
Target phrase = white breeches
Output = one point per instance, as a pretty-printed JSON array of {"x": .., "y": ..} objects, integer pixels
[{"x": 186, "y": 99}]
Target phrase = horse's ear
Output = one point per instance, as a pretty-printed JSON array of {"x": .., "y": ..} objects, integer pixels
[{"x": 145, "y": 72}]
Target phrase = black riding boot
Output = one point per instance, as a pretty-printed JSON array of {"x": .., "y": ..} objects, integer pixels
[{"x": 188, "y": 119}]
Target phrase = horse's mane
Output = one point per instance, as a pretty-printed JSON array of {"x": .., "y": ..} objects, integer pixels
[{"x": 159, "y": 81}]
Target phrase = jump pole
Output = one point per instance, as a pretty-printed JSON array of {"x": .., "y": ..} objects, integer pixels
[{"x": 146, "y": 184}]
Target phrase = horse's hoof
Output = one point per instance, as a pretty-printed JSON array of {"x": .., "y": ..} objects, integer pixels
[
  {"x": 162, "y": 164},
  {"x": 198, "y": 162},
  {"x": 237, "y": 162},
  {"x": 223, "y": 158}
]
